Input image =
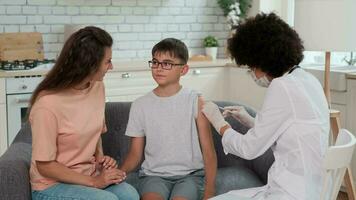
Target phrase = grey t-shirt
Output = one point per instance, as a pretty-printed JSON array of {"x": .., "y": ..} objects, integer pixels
[{"x": 169, "y": 125}]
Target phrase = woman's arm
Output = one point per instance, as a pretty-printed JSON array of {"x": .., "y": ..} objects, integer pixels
[
  {"x": 134, "y": 156},
  {"x": 208, "y": 150},
  {"x": 61, "y": 173}
]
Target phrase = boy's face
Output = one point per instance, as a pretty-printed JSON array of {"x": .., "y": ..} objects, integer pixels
[{"x": 162, "y": 74}]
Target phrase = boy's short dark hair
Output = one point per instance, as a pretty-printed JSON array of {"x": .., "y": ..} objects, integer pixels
[
  {"x": 176, "y": 48},
  {"x": 268, "y": 43}
]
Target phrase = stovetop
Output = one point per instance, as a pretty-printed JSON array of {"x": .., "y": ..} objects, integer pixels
[{"x": 23, "y": 64}]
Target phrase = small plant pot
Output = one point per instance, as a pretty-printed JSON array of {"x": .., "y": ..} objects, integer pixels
[{"x": 212, "y": 52}]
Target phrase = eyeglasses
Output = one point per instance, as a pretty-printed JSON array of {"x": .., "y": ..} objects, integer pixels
[{"x": 153, "y": 64}]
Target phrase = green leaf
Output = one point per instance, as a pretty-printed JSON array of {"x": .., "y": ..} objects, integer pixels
[
  {"x": 245, "y": 5},
  {"x": 210, "y": 41}
]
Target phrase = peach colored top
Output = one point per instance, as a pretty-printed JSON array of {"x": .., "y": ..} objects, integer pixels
[{"x": 66, "y": 127}]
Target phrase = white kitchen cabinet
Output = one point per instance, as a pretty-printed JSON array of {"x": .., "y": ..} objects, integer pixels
[
  {"x": 209, "y": 81},
  {"x": 3, "y": 129},
  {"x": 351, "y": 117},
  {"x": 242, "y": 88},
  {"x": 127, "y": 86},
  {"x": 2, "y": 91}
]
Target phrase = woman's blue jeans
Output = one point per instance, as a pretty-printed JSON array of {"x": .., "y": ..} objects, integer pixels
[{"x": 62, "y": 191}]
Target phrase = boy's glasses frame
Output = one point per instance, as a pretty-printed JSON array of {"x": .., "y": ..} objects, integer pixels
[{"x": 153, "y": 64}]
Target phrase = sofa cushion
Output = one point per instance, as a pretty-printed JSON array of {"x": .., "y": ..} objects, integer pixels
[
  {"x": 14, "y": 168},
  {"x": 236, "y": 177}
]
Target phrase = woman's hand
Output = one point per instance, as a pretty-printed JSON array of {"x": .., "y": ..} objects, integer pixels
[
  {"x": 108, "y": 177},
  {"x": 107, "y": 162}
]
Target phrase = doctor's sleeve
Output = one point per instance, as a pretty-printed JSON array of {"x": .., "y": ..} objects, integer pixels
[{"x": 274, "y": 118}]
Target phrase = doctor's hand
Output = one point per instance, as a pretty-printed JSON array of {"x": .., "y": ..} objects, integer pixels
[
  {"x": 240, "y": 114},
  {"x": 212, "y": 112}
]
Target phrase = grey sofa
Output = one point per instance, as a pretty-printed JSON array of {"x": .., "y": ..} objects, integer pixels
[{"x": 233, "y": 172}]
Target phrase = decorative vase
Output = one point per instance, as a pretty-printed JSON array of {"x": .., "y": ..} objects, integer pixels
[{"x": 212, "y": 52}]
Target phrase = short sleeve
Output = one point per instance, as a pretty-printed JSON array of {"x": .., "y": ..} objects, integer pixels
[
  {"x": 135, "y": 126},
  {"x": 195, "y": 98},
  {"x": 44, "y": 134},
  {"x": 196, "y": 105}
]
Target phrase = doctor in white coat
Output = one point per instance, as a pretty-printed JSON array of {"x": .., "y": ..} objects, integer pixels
[{"x": 293, "y": 120}]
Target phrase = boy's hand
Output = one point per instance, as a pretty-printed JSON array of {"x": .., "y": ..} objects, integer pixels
[{"x": 107, "y": 162}]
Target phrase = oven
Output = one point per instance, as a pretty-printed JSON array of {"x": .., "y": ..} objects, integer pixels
[{"x": 18, "y": 93}]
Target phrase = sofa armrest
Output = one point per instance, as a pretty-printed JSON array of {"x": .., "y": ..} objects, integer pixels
[{"x": 14, "y": 172}]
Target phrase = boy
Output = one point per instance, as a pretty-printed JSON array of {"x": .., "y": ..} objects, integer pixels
[{"x": 168, "y": 126}]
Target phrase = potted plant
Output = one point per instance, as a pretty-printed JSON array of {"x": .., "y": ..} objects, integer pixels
[{"x": 211, "y": 46}]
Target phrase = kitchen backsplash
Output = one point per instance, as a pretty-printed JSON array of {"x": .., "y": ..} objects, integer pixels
[{"x": 135, "y": 25}]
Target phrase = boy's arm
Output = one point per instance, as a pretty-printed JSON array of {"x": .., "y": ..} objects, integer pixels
[
  {"x": 208, "y": 150},
  {"x": 134, "y": 156}
]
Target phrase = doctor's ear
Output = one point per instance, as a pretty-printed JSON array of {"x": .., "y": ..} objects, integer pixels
[{"x": 184, "y": 70}]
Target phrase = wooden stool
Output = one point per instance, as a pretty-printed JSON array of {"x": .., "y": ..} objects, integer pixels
[{"x": 335, "y": 126}]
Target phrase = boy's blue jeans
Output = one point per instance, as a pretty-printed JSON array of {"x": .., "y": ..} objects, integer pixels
[{"x": 62, "y": 191}]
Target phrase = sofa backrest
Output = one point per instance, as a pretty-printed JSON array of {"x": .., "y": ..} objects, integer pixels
[{"x": 115, "y": 142}]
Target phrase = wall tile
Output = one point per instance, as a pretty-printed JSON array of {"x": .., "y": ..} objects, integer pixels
[{"x": 135, "y": 25}]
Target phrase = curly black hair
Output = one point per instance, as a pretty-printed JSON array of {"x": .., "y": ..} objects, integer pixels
[{"x": 268, "y": 43}]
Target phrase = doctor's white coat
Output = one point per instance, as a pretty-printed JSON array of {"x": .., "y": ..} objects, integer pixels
[{"x": 294, "y": 121}]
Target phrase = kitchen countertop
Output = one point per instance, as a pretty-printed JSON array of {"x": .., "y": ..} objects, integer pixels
[
  {"x": 139, "y": 65},
  {"x": 121, "y": 66},
  {"x": 349, "y": 72},
  {"x": 351, "y": 76}
]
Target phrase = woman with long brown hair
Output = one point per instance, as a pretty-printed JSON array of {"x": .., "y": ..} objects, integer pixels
[{"x": 67, "y": 120}]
